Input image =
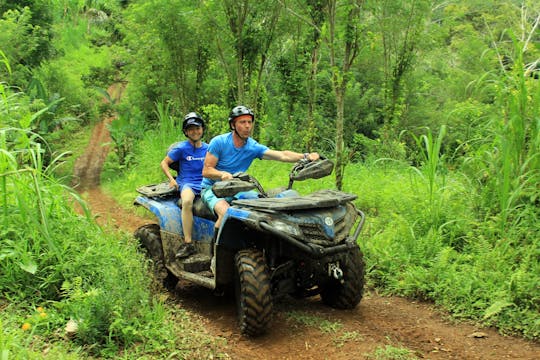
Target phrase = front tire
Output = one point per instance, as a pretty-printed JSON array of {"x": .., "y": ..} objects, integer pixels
[
  {"x": 253, "y": 292},
  {"x": 348, "y": 294}
]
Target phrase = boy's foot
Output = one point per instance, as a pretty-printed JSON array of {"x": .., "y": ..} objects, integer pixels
[{"x": 186, "y": 250}]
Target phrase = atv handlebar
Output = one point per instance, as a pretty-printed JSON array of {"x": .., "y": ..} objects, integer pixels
[
  {"x": 307, "y": 169},
  {"x": 303, "y": 169}
]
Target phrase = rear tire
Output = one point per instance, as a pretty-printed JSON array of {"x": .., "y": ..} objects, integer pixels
[
  {"x": 149, "y": 237},
  {"x": 348, "y": 294},
  {"x": 253, "y": 292}
]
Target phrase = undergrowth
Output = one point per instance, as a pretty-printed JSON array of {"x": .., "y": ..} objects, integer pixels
[
  {"x": 60, "y": 269},
  {"x": 424, "y": 237}
]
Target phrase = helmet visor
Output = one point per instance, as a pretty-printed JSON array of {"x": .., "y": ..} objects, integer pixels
[{"x": 192, "y": 122}]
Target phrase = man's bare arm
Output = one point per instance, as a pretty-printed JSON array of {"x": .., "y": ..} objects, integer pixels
[
  {"x": 210, "y": 171},
  {"x": 288, "y": 156}
]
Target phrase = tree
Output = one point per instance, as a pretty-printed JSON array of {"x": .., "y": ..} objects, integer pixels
[
  {"x": 24, "y": 43},
  {"x": 316, "y": 13},
  {"x": 400, "y": 26},
  {"x": 170, "y": 54},
  {"x": 343, "y": 41},
  {"x": 251, "y": 26}
]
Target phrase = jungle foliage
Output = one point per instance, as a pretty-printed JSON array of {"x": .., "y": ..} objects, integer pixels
[{"x": 429, "y": 108}]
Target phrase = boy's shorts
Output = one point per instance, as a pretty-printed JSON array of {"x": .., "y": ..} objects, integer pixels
[{"x": 196, "y": 190}]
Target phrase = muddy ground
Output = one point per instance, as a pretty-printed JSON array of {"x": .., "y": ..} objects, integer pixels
[{"x": 306, "y": 329}]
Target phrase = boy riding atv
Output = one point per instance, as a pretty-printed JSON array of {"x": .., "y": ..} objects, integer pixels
[{"x": 187, "y": 158}]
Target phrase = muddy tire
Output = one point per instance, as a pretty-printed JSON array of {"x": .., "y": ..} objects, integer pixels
[
  {"x": 253, "y": 292},
  {"x": 348, "y": 294},
  {"x": 149, "y": 237}
]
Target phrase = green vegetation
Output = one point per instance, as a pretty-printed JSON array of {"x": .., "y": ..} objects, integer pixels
[
  {"x": 334, "y": 329},
  {"x": 315, "y": 321},
  {"x": 391, "y": 353},
  {"x": 439, "y": 103},
  {"x": 59, "y": 268}
]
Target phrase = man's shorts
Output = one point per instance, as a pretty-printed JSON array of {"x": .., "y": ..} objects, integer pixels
[{"x": 210, "y": 199}]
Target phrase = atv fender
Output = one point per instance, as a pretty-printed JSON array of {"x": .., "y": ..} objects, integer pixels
[
  {"x": 230, "y": 234},
  {"x": 167, "y": 212},
  {"x": 229, "y": 241},
  {"x": 169, "y": 216}
]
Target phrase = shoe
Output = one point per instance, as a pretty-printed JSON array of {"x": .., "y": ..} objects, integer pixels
[{"x": 186, "y": 250}]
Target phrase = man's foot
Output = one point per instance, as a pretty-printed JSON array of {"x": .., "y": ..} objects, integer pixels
[{"x": 186, "y": 250}]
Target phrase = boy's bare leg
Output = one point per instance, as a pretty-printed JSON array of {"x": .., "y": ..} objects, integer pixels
[{"x": 187, "y": 197}]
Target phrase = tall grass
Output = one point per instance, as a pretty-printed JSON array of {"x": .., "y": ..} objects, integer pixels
[
  {"x": 507, "y": 159},
  {"x": 169, "y": 128},
  {"x": 58, "y": 265},
  {"x": 432, "y": 169},
  {"x": 518, "y": 139}
]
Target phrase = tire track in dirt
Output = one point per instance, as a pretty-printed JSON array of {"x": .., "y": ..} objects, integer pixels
[
  {"x": 87, "y": 168},
  {"x": 87, "y": 172},
  {"x": 351, "y": 334}
]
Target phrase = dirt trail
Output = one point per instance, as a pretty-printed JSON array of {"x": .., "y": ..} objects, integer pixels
[{"x": 375, "y": 323}]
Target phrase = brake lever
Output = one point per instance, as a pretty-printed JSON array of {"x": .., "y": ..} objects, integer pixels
[{"x": 241, "y": 176}]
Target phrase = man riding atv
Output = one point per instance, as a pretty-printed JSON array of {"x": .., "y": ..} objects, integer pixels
[{"x": 234, "y": 152}]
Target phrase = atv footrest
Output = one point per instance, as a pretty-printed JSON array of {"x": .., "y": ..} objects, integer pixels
[
  {"x": 199, "y": 278},
  {"x": 207, "y": 274},
  {"x": 196, "y": 263}
]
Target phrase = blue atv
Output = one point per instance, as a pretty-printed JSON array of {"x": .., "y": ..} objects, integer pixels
[{"x": 269, "y": 245}]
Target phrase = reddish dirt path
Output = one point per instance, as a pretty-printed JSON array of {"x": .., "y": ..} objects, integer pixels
[{"x": 375, "y": 323}]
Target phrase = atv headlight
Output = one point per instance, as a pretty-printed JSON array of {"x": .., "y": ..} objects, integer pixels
[{"x": 287, "y": 228}]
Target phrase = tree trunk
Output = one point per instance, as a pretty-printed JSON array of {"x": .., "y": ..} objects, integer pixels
[
  {"x": 340, "y": 161},
  {"x": 349, "y": 45}
]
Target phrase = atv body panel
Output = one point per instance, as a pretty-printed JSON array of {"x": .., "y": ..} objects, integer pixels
[{"x": 169, "y": 217}]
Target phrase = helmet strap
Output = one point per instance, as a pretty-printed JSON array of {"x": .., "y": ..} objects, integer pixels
[{"x": 244, "y": 140}]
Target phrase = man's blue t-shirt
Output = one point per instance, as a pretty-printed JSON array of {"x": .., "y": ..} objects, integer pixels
[
  {"x": 231, "y": 158},
  {"x": 191, "y": 160}
]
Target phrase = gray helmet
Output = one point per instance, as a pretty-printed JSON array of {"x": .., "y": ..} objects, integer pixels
[
  {"x": 192, "y": 119},
  {"x": 238, "y": 111}
]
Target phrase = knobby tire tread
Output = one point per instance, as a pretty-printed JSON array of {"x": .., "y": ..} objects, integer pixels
[{"x": 254, "y": 300}]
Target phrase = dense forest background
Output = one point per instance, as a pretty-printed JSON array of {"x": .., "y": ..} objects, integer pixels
[{"x": 430, "y": 110}]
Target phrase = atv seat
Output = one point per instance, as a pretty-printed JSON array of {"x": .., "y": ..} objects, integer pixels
[
  {"x": 162, "y": 190},
  {"x": 200, "y": 209}
]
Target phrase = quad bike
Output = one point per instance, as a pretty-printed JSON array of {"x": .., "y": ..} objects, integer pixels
[{"x": 268, "y": 245}]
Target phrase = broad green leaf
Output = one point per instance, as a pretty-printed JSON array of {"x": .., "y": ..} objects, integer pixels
[
  {"x": 496, "y": 308},
  {"x": 30, "y": 267}
]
